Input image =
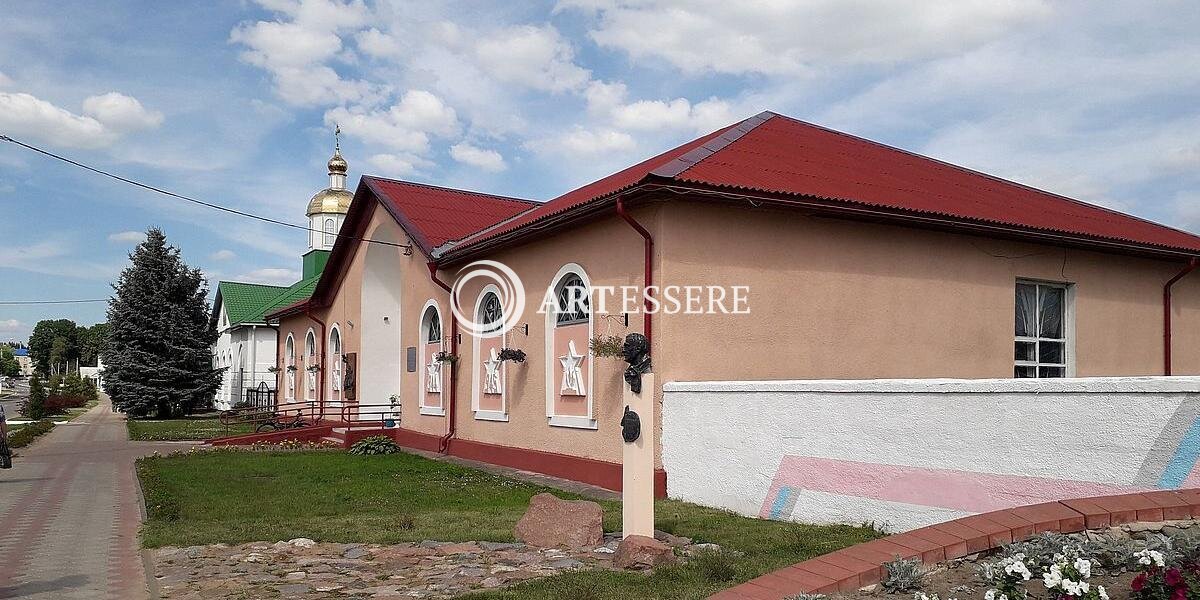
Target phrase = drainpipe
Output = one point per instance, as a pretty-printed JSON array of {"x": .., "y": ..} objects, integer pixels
[
  {"x": 444, "y": 445},
  {"x": 320, "y": 362},
  {"x": 1191, "y": 266},
  {"x": 646, "y": 318}
]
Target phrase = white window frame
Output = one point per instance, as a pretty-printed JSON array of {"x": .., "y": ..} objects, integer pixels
[
  {"x": 310, "y": 358},
  {"x": 552, "y": 386},
  {"x": 1068, "y": 339},
  {"x": 476, "y": 365},
  {"x": 335, "y": 362},
  {"x": 329, "y": 231},
  {"x": 289, "y": 359},
  {"x": 423, "y": 344}
]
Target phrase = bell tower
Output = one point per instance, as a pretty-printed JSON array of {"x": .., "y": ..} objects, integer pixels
[{"x": 326, "y": 211}]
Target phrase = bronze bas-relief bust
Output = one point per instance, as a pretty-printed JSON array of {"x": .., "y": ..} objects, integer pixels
[{"x": 637, "y": 354}]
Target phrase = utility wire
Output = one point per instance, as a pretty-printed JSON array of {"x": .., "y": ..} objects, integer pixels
[
  {"x": 25, "y": 302},
  {"x": 5, "y": 138}
]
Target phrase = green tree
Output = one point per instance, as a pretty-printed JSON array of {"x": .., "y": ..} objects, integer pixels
[
  {"x": 35, "y": 406},
  {"x": 9, "y": 367},
  {"x": 50, "y": 335},
  {"x": 158, "y": 358},
  {"x": 91, "y": 343}
]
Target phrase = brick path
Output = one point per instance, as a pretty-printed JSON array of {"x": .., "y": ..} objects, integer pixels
[{"x": 69, "y": 513}]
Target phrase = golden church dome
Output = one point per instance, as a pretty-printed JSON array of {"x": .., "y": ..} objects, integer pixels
[
  {"x": 330, "y": 200},
  {"x": 337, "y": 164}
]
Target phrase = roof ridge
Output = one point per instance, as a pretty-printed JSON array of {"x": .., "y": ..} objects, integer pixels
[
  {"x": 450, "y": 189},
  {"x": 693, "y": 157},
  {"x": 971, "y": 171}
]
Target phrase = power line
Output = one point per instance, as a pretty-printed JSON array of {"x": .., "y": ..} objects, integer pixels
[
  {"x": 145, "y": 186},
  {"x": 25, "y": 302}
]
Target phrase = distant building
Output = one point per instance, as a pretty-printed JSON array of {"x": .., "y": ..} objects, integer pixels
[
  {"x": 94, "y": 374},
  {"x": 24, "y": 361},
  {"x": 246, "y": 346}
]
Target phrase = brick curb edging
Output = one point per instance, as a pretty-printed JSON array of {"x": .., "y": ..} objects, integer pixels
[{"x": 861, "y": 565}]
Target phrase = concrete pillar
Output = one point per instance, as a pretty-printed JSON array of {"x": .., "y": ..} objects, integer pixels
[{"x": 637, "y": 473}]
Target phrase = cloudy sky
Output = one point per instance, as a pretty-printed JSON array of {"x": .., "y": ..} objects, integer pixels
[{"x": 234, "y": 102}]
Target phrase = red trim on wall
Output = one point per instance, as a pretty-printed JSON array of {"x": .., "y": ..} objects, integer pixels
[
  {"x": 305, "y": 434},
  {"x": 575, "y": 468}
]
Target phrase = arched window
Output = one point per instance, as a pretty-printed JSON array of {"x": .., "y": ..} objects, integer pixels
[
  {"x": 433, "y": 326},
  {"x": 330, "y": 232},
  {"x": 491, "y": 315},
  {"x": 310, "y": 361},
  {"x": 335, "y": 363},
  {"x": 568, "y": 351},
  {"x": 573, "y": 305},
  {"x": 289, "y": 357},
  {"x": 489, "y": 397},
  {"x": 430, "y": 391}
]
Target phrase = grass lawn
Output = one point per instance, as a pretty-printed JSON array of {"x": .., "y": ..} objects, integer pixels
[
  {"x": 187, "y": 428},
  {"x": 237, "y": 496}
]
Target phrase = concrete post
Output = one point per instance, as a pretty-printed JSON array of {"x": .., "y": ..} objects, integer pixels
[{"x": 637, "y": 473}]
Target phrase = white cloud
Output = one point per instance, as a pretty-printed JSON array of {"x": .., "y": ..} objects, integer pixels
[
  {"x": 270, "y": 276},
  {"x": 653, "y": 115},
  {"x": 223, "y": 255},
  {"x": 580, "y": 142},
  {"x": 378, "y": 44},
  {"x": 24, "y": 116},
  {"x": 5, "y": 81},
  {"x": 797, "y": 37},
  {"x": 535, "y": 57},
  {"x": 121, "y": 113},
  {"x": 405, "y": 126},
  {"x": 294, "y": 51},
  {"x": 397, "y": 165},
  {"x": 11, "y": 325},
  {"x": 127, "y": 237},
  {"x": 488, "y": 160}
]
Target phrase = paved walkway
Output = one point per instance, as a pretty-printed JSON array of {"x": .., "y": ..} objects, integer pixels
[{"x": 69, "y": 513}]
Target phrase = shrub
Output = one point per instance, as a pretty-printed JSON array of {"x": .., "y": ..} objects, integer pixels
[
  {"x": 806, "y": 597},
  {"x": 903, "y": 574},
  {"x": 376, "y": 444},
  {"x": 35, "y": 406},
  {"x": 25, "y": 435},
  {"x": 607, "y": 346},
  {"x": 715, "y": 566},
  {"x": 61, "y": 403}
]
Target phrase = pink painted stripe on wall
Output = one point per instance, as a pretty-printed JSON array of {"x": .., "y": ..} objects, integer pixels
[{"x": 967, "y": 491}]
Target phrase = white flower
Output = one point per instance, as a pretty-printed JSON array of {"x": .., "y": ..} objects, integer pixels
[
  {"x": 989, "y": 595},
  {"x": 1103, "y": 594},
  {"x": 1083, "y": 587},
  {"x": 1053, "y": 578},
  {"x": 1147, "y": 557},
  {"x": 1018, "y": 568},
  {"x": 1084, "y": 566}
]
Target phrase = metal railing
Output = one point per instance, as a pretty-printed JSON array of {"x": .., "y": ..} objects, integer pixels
[
  {"x": 274, "y": 417},
  {"x": 381, "y": 415}
]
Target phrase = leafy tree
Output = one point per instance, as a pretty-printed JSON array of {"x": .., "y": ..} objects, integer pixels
[
  {"x": 51, "y": 335},
  {"x": 158, "y": 357},
  {"x": 9, "y": 367},
  {"x": 35, "y": 406},
  {"x": 91, "y": 343}
]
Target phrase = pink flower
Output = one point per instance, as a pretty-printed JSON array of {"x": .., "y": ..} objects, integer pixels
[{"x": 1173, "y": 577}]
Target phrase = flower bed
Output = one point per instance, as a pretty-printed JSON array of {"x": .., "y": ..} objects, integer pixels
[{"x": 1141, "y": 561}]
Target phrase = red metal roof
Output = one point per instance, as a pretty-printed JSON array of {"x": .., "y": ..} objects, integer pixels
[
  {"x": 776, "y": 154},
  {"x": 595, "y": 190},
  {"x": 435, "y": 215}
]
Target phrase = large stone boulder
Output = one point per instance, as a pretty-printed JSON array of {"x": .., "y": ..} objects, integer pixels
[
  {"x": 641, "y": 552},
  {"x": 552, "y": 522}
]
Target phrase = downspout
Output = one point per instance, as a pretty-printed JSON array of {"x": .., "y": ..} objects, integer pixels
[
  {"x": 649, "y": 272},
  {"x": 1191, "y": 266},
  {"x": 320, "y": 362},
  {"x": 444, "y": 445}
]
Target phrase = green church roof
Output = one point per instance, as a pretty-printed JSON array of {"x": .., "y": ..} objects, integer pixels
[{"x": 245, "y": 302}]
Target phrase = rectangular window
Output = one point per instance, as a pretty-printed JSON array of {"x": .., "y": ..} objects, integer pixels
[{"x": 1041, "y": 345}]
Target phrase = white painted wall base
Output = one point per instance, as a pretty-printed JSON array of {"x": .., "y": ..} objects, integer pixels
[{"x": 906, "y": 453}]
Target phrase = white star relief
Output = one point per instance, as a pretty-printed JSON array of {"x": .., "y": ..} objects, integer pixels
[
  {"x": 433, "y": 376},
  {"x": 491, "y": 376},
  {"x": 572, "y": 379}
]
